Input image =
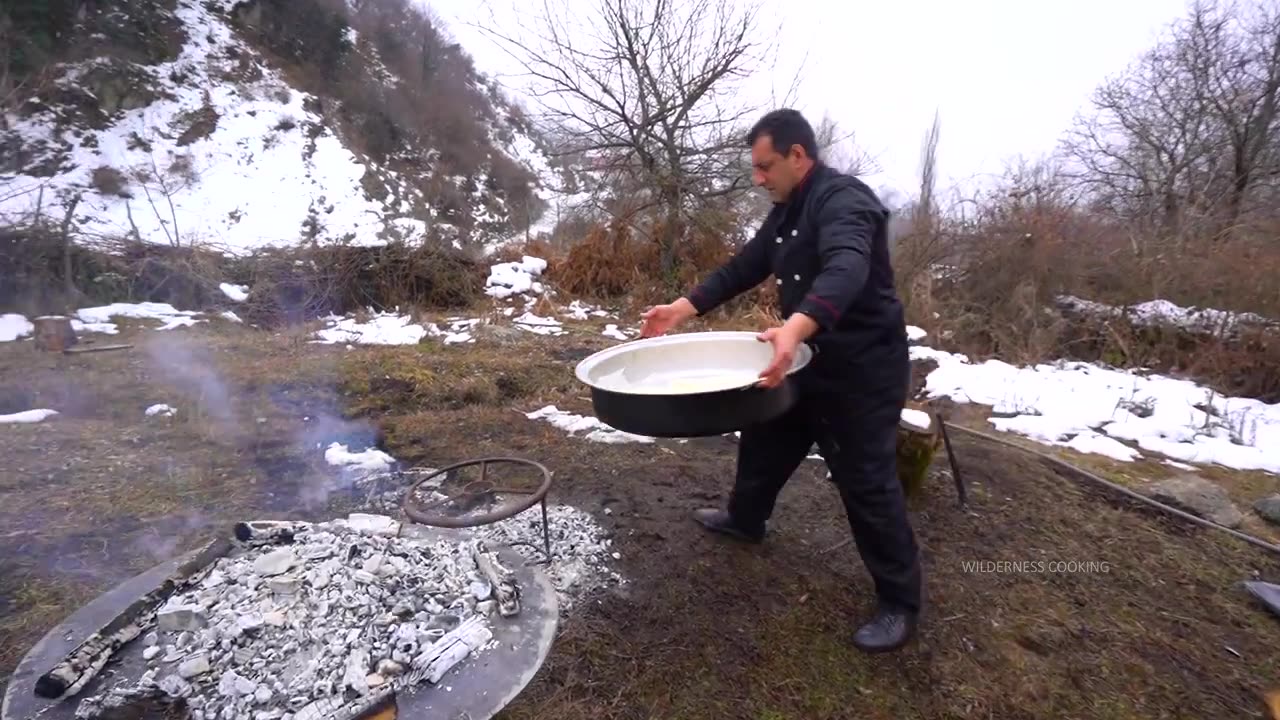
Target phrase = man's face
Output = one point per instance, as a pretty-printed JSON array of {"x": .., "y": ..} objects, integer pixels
[{"x": 776, "y": 172}]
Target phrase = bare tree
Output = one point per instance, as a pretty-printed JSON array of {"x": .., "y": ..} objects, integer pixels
[
  {"x": 1185, "y": 140},
  {"x": 839, "y": 149},
  {"x": 650, "y": 93}
]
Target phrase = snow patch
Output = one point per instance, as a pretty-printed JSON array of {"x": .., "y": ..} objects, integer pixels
[
  {"x": 162, "y": 410},
  {"x": 515, "y": 278},
  {"x": 238, "y": 293},
  {"x": 27, "y": 416},
  {"x": 538, "y": 325},
  {"x": 100, "y": 317},
  {"x": 611, "y": 330},
  {"x": 595, "y": 430},
  {"x": 579, "y": 310},
  {"x": 13, "y": 326},
  {"x": 1093, "y": 409},
  {"x": 1164, "y": 312},
  {"x": 458, "y": 331},
  {"x": 917, "y": 419},
  {"x": 382, "y": 329},
  {"x": 368, "y": 460}
]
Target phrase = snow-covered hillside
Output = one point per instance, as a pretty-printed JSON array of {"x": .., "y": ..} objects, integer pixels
[{"x": 216, "y": 147}]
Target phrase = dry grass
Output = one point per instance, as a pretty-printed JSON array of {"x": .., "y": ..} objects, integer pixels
[{"x": 118, "y": 492}]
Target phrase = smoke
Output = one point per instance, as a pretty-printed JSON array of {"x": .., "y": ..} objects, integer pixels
[
  {"x": 181, "y": 363},
  {"x": 163, "y": 536},
  {"x": 295, "y": 456}
]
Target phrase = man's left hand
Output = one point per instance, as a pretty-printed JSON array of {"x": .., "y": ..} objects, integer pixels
[{"x": 785, "y": 340}]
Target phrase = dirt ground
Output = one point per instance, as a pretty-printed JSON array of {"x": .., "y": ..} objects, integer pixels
[{"x": 1155, "y": 625}]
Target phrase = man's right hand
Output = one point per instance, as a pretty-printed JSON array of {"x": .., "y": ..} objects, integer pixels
[{"x": 660, "y": 319}]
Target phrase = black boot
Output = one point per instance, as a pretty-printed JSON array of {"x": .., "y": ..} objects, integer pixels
[
  {"x": 718, "y": 520},
  {"x": 889, "y": 630}
]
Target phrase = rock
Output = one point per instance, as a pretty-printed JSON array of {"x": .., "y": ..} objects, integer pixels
[
  {"x": 175, "y": 685},
  {"x": 262, "y": 695},
  {"x": 178, "y": 617},
  {"x": 285, "y": 585},
  {"x": 275, "y": 562},
  {"x": 249, "y": 622},
  {"x": 150, "y": 652},
  {"x": 191, "y": 667},
  {"x": 1200, "y": 497},
  {"x": 232, "y": 684},
  {"x": 356, "y": 674},
  {"x": 381, "y": 525},
  {"x": 389, "y": 668},
  {"x": 1269, "y": 509}
]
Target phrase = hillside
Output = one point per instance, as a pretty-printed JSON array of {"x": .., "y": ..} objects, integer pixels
[{"x": 242, "y": 124}]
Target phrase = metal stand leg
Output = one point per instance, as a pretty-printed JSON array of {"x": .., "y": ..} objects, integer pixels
[
  {"x": 951, "y": 457},
  {"x": 546, "y": 531}
]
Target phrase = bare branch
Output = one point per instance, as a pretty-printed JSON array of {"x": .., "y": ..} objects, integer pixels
[{"x": 648, "y": 95}]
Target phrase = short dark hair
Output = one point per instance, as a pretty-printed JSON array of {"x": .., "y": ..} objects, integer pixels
[{"x": 785, "y": 127}]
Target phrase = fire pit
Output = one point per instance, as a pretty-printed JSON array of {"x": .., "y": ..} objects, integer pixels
[{"x": 228, "y": 630}]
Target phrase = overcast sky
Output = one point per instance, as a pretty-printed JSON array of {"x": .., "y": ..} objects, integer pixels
[{"x": 1006, "y": 76}]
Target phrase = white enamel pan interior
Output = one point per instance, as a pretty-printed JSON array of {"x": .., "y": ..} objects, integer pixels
[{"x": 683, "y": 364}]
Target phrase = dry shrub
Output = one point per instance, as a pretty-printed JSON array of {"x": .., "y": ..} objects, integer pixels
[
  {"x": 987, "y": 287},
  {"x": 40, "y": 273},
  {"x": 533, "y": 247},
  {"x": 616, "y": 261},
  {"x": 609, "y": 263},
  {"x": 297, "y": 285}
]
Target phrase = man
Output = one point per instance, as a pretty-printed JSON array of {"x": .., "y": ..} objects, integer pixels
[{"x": 825, "y": 243}]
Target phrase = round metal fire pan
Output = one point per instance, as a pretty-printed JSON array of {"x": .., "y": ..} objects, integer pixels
[
  {"x": 687, "y": 385},
  {"x": 476, "y": 688}
]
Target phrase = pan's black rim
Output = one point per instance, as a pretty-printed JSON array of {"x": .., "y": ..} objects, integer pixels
[{"x": 691, "y": 415}]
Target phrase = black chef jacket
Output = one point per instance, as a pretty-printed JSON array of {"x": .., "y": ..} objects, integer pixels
[{"x": 827, "y": 249}]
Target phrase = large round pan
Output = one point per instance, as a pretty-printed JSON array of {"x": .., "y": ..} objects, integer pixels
[{"x": 687, "y": 385}]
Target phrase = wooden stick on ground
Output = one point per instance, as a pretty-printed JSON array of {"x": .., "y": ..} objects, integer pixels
[{"x": 93, "y": 349}]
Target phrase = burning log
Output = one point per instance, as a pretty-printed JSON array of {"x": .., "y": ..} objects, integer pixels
[
  {"x": 502, "y": 584},
  {"x": 86, "y": 661},
  {"x": 53, "y": 333}
]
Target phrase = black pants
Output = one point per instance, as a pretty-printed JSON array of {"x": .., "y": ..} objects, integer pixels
[{"x": 851, "y": 410}]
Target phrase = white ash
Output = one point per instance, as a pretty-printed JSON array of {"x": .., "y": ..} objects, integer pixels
[
  {"x": 284, "y": 632},
  {"x": 581, "y": 548}
]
